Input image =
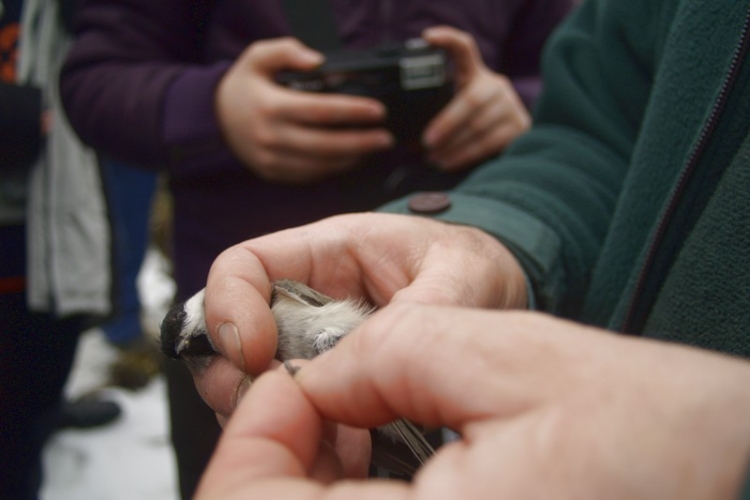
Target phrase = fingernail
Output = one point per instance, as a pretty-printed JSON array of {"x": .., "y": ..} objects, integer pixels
[
  {"x": 222, "y": 420},
  {"x": 243, "y": 388},
  {"x": 231, "y": 344},
  {"x": 291, "y": 369}
]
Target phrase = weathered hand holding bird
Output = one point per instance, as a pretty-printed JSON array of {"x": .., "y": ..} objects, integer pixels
[{"x": 308, "y": 323}]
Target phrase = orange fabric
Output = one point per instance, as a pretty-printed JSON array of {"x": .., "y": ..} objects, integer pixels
[{"x": 8, "y": 52}]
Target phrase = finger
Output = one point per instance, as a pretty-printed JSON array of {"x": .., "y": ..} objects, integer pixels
[
  {"x": 274, "y": 433},
  {"x": 318, "y": 109},
  {"x": 459, "y": 113},
  {"x": 292, "y": 143},
  {"x": 271, "y": 56},
  {"x": 464, "y": 155},
  {"x": 329, "y": 109},
  {"x": 496, "y": 125},
  {"x": 325, "y": 145},
  {"x": 471, "y": 365},
  {"x": 490, "y": 131},
  {"x": 344, "y": 453},
  {"x": 462, "y": 47},
  {"x": 270, "y": 446},
  {"x": 491, "y": 115},
  {"x": 353, "y": 448},
  {"x": 221, "y": 385},
  {"x": 347, "y": 449},
  {"x": 241, "y": 279},
  {"x": 268, "y": 57},
  {"x": 460, "y": 126}
]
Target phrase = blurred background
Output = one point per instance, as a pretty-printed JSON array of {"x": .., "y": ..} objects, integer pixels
[{"x": 132, "y": 456}]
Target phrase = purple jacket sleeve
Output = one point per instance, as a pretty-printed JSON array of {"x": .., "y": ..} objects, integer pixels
[{"x": 134, "y": 87}]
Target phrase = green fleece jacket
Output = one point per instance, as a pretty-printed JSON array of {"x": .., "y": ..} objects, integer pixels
[{"x": 628, "y": 203}]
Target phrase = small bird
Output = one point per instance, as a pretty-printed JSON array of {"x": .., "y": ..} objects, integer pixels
[{"x": 308, "y": 323}]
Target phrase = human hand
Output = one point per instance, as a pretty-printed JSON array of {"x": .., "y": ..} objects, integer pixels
[
  {"x": 485, "y": 115},
  {"x": 546, "y": 408},
  {"x": 286, "y": 135},
  {"x": 382, "y": 258}
]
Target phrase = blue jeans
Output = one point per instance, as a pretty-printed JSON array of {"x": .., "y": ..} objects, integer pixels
[{"x": 129, "y": 193}]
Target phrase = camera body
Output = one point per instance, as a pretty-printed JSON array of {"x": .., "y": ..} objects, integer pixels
[{"x": 411, "y": 79}]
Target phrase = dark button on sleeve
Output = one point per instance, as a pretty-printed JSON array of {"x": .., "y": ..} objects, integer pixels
[{"x": 429, "y": 203}]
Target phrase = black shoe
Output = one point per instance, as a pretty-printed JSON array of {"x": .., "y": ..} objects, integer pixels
[{"x": 87, "y": 413}]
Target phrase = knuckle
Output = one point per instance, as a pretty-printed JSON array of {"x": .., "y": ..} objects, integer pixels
[
  {"x": 474, "y": 97},
  {"x": 264, "y": 160},
  {"x": 266, "y": 109},
  {"x": 264, "y": 140},
  {"x": 465, "y": 39},
  {"x": 476, "y": 127},
  {"x": 497, "y": 140}
]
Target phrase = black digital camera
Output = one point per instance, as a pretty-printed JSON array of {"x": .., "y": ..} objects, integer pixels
[{"x": 411, "y": 79}]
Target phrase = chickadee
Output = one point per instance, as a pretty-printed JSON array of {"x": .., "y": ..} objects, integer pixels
[{"x": 308, "y": 323}]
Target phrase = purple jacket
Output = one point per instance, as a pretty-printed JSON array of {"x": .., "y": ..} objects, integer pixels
[{"x": 139, "y": 85}]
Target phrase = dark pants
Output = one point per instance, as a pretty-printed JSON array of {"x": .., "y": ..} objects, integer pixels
[
  {"x": 36, "y": 354},
  {"x": 195, "y": 430}
]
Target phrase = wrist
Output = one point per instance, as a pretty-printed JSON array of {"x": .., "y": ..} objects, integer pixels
[{"x": 509, "y": 288}]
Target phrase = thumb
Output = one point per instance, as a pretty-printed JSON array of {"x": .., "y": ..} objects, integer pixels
[
  {"x": 276, "y": 440},
  {"x": 271, "y": 56},
  {"x": 462, "y": 47},
  {"x": 274, "y": 433}
]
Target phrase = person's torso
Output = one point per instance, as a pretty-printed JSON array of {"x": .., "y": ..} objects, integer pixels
[
  {"x": 682, "y": 222},
  {"x": 364, "y": 24}
]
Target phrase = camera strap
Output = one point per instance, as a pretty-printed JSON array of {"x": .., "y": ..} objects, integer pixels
[{"x": 313, "y": 23}]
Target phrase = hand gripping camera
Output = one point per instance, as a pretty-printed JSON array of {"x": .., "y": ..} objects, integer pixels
[{"x": 411, "y": 79}]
